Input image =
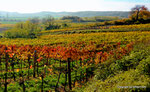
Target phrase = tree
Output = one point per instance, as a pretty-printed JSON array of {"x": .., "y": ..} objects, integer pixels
[
  {"x": 72, "y": 18},
  {"x": 140, "y": 11},
  {"x": 48, "y": 19},
  {"x": 35, "y": 20}
]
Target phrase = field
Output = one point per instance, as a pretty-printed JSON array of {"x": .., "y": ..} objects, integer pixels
[
  {"x": 4, "y": 27},
  {"x": 83, "y": 57}
]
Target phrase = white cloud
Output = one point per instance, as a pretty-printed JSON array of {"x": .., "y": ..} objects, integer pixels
[{"x": 66, "y": 5}]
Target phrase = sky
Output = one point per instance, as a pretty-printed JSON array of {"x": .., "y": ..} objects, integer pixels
[{"x": 31, "y": 6}]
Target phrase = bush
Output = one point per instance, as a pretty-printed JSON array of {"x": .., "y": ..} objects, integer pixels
[
  {"x": 51, "y": 25},
  {"x": 144, "y": 66},
  {"x": 23, "y": 30},
  {"x": 128, "y": 62},
  {"x": 107, "y": 23}
]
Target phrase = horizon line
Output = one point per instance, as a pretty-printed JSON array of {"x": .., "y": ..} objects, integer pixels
[{"x": 64, "y": 11}]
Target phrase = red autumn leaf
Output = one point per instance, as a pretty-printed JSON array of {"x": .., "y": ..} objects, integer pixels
[
  {"x": 40, "y": 58},
  {"x": 30, "y": 66}
]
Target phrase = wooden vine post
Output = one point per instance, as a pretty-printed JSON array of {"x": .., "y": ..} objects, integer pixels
[
  {"x": 6, "y": 67},
  {"x": 35, "y": 60},
  {"x": 37, "y": 71},
  {"x": 0, "y": 70},
  {"x": 29, "y": 66},
  {"x": 86, "y": 74},
  {"x": 0, "y": 64},
  {"x": 58, "y": 76},
  {"x": 42, "y": 76},
  {"x": 65, "y": 77},
  {"x": 75, "y": 77},
  {"x": 47, "y": 63},
  {"x": 23, "y": 85},
  {"x": 69, "y": 74},
  {"x": 80, "y": 70},
  {"x": 13, "y": 68},
  {"x": 12, "y": 64}
]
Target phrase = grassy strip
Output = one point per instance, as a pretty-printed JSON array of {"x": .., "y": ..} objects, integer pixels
[{"x": 131, "y": 71}]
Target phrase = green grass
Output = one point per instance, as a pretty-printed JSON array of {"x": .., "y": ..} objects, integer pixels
[
  {"x": 128, "y": 78},
  {"x": 131, "y": 71}
]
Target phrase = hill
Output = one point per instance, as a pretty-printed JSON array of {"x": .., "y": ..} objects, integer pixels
[{"x": 4, "y": 14}]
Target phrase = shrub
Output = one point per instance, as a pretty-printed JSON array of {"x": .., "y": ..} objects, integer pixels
[
  {"x": 23, "y": 30},
  {"x": 144, "y": 66}
]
